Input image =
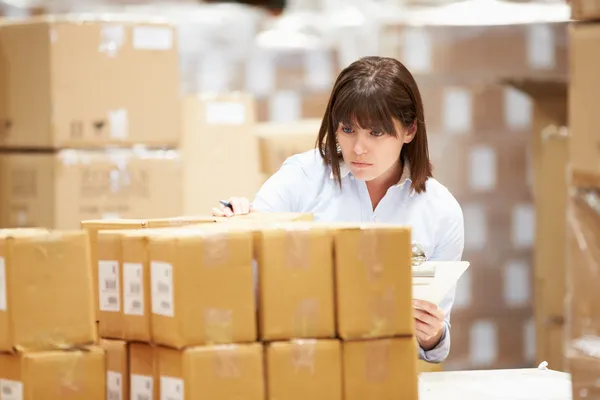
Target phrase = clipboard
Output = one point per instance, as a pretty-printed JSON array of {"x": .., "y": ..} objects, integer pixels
[{"x": 432, "y": 280}]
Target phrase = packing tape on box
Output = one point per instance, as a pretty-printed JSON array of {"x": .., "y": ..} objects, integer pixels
[
  {"x": 369, "y": 253},
  {"x": 377, "y": 360},
  {"x": 215, "y": 249},
  {"x": 218, "y": 325},
  {"x": 297, "y": 249},
  {"x": 306, "y": 318},
  {"x": 225, "y": 361},
  {"x": 303, "y": 355},
  {"x": 382, "y": 311}
]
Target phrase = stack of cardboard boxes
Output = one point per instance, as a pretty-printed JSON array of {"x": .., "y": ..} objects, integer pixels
[
  {"x": 181, "y": 311},
  {"x": 582, "y": 343}
]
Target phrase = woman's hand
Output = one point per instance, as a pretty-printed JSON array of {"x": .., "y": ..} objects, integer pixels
[
  {"x": 429, "y": 324},
  {"x": 240, "y": 205}
]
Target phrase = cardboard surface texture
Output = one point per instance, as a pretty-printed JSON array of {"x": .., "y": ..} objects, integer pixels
[
  {"x": 202, "y": 286},
  {"x": 373, "y": 277},
  {"x": 304, "y": 369},
  {"x": 144, "y": 379},
  {"x": 79, "y": 82},
  {"x": 46, "y": 290},
  {"x": 219, "y": 372},
  {"x": 54, "y": 375}
]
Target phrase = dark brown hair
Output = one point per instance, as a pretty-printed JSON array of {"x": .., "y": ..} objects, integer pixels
[{"x": 370, "y": 93}]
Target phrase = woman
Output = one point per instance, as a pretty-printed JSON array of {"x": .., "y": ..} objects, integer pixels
[{"x": 372, "y": 164}]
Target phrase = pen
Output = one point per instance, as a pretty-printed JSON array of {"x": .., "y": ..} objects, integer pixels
[{"x": 227, "y": 204}]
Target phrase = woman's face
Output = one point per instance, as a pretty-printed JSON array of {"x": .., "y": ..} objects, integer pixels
[{"x": 370, "y": 154}]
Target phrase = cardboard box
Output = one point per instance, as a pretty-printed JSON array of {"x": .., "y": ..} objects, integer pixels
[
  {"x": 59, "y": 190},
  {"x": 45, "y": 291},
  {"x": 54, "y": 375},
  {"x": 583, "y": 93},
  {"x": 144, "y": 378},
  {"x": 117, "y": 369},
  {"x": 304, "y": 369},
  {"x": 290, "y": 106},
  {"x": 76, "y": 81},
  {"x": 436, "y": 45},
  {"x": 584, "y": 366},
  {"x": 110, "y": 286},
  {"x": 202, "y": 286},
  {"x": 295, "y": 259},
  {"x": 218, "y": 372},
  {"x": 374, "y": 281},
  {"x": 278, "y": 141},
  {"x": 224, "y": 125},
  {"x": 380, "y": 369},
  {"x": 585, "y": 10}
]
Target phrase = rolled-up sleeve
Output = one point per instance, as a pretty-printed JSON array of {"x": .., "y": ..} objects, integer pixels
[
  {"x": 282, "y": 192},
  {"x": 449, "y": 248}
]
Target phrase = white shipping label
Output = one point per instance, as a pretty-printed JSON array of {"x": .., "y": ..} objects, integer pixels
[
  {"x": 133, "y": 289},
  {"x": 541, "y": 46},
  {"x": 119, "y": 124},
  {"x": 318, "y": 68},
  {"x": 417, "y": 50},
  {"x": 161, "y": 276},
  {"x": 463, "y": 297},
  {"x": 457, "y": 110},
  {"x": 225, "y": 113},
  {"x": 114, "y": 386},
  {"x": 141, "y": 387},
  {"x": 171, "y": 388},
  {"x": 285, "y": 106},
  {"x": 152, "y": 38},
  {"x": 529, "y": 340},
  {"x": 523, "y": 226},
  {"x": 108, "y": 286},
  {"x": 518, "y": 109},
  {"x": 3, "y": 295},
  {"x": 483, "y": 343},
  {"x": 475, "y": 227},
  {"x": 483, "y": 169},
  {"x": 517, "y": 285},
  {"x": 11, "y": 390}
]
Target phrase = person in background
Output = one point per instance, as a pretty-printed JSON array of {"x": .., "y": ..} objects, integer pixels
[{"x": 371, "y": 163}]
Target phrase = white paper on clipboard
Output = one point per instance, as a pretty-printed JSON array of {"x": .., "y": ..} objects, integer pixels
[{"x": 433, "y": 287}]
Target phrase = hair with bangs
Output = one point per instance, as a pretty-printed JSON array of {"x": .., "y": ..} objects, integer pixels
[{"x": 371, "y": 93}]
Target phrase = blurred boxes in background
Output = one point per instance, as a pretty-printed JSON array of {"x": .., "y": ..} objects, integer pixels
[{"x": 77, "y": 82}]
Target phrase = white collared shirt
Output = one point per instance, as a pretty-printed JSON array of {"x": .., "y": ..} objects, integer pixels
[{"x": 305, "y": 184}]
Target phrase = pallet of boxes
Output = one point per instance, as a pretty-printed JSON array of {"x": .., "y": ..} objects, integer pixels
[
  {"x": 251, "y": 308},
  {"x": 582, "y": 345}
]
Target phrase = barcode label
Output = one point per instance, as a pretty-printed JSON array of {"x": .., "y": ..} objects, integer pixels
[
  {"x": 162, "y": 288},
  {"x": 133, "y": 292},
  {"x": 171, "y": 388},
  {"x": 141, "y": 387},
  {"x": 11, "y": 390},
  {"x": 114, "y": 386},
  {"x": 108, "y": 281},
  {"x": 2, "y": 285}
]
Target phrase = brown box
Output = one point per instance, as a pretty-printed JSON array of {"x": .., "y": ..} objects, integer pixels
[
  {"x": 217, "y": 372},
  {"x": 62, "y": 189},
  {"x": 54, "y": 375},
  {"x": 80, "y": 82},
  {"x": 224, "y": 125},
  {"x": 296, "y": 260},
  {"x": 202, "y": 286},
  {"x": 46, "y": 296},
  {"x": 380, "y": 369},
  {"x": 442, "y": 50},
  {"x": 585, "y": 10},
  {"x": 117, "y": 369},
  {"x": 278, "y": 141},
  {"x": 289, "y": 106},
  {"x": 144, "y": 380},
  {"x": 110, "y": 289},
  {"x": 583, "y": 94},
  {"x": 585, "y": 372},
  {"x": 304, "y": 369},
  {"x": 374, "y": 281}
]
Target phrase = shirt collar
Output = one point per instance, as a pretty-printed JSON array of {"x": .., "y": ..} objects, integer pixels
[{"x": 345, "y": 171}]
